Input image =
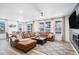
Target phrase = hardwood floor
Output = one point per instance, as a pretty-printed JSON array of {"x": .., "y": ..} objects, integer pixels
[{"x": 50, "y": 48}]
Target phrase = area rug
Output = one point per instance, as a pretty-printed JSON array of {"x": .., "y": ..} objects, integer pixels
[{"x": 56, "y": 48}]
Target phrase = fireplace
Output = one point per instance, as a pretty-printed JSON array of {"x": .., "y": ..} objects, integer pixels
[{"x": 76, "y": 39}]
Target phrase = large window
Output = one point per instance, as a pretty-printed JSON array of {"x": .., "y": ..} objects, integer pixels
[
  {"x": 47, "y": 26},
  {"x": 58, "y": 27},
  {"x": 41, "y": 27},
  {"x": 20, "y": 25},
  {"x": 2, "y": 26},
  {"x": 29, "y": 28}
]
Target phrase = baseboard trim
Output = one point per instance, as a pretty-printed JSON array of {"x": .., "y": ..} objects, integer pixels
[{"x": 74, "y": 48}]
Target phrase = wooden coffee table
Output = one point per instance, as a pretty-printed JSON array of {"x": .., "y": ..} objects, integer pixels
[{"x": 41, "y": 40}]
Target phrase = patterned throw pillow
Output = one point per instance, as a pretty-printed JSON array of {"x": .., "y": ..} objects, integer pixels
[{"x": 37, "y": 34}]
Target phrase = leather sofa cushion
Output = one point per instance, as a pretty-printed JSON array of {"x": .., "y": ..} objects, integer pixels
[
  {"x": 44, "y": 34},
  {"x": 25, "y": 39},
  {"x": 26, "y": 42}
]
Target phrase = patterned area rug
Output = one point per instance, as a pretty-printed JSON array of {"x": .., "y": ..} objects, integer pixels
[{"x": 56, "y": 48}]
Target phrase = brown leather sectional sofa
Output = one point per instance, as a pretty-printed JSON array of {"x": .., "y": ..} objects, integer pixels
[
  {"x": 49, "y": 36},
  {"x": 28, "y": 35},
  {"x": 44, "y": 34},
  {"x": 24, "y": 44}
]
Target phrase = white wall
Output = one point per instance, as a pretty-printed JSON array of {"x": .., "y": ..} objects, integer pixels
[
  {"x": 53, "y": 26},
  {"x": 25, "y": 26},
  {"x": 36, "y": 26},
  {"x": 11, "y": 29},
  {"x": 67, "y": 28}
]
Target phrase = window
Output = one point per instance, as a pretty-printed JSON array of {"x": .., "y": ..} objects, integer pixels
[
  {"x": 58, "y": 27},
  {"x": 20, "y": 25},
  {"x": 41, "y": 27},
  {"x": 47, "y": 26},
  {"x": 2, "y": 26},
  {"x": 29, "y": 28}
]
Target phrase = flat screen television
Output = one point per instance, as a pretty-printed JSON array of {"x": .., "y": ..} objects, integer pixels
[
  {"x": 77, "y": 22},
  {"x": 73, "y": 21}
]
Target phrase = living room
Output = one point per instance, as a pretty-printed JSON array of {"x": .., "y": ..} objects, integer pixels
[{"x": 36, "y": 29}]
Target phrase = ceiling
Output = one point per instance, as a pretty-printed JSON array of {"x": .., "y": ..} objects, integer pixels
[{"x": 29, "y": 11}]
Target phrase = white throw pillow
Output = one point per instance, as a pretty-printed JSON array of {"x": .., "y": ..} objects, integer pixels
[
  {"x": 13, "y": 39},
  {"x": 50, "y": 35}
]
